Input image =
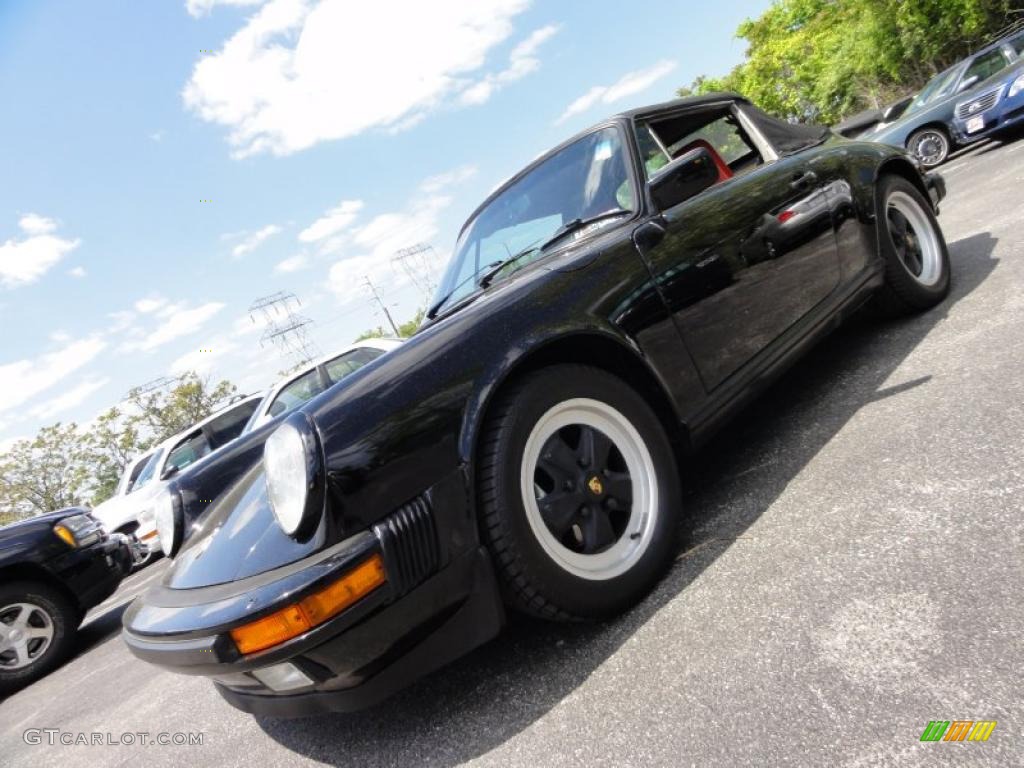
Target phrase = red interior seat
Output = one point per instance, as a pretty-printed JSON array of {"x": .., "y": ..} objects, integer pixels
[{"x": 724, "y": 171}]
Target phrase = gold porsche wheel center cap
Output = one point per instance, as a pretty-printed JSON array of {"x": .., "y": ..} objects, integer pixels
[{"x": 595, "y": 486}]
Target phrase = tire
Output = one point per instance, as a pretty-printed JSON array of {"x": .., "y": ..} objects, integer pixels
[
  {"x": 917, "y": 271},
  {"x": 44, "y": 611},
  {"x": 930, "y": 145},
  {"x": 613, "y": 532}
]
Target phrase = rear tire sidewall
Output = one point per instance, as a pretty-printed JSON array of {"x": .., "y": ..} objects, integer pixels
[
  {"x": 578, "y": 596},
  {"x": 906, "y": 288},
  {"x": 65, "y": 620}
]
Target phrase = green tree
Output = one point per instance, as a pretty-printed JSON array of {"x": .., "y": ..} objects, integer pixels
[
  {"x": 43, "y": 474},
  {"x": 405, "y": 330},
  {"x": 109, "y": 444},
  {"x": 822, "y": 60},
  {"x": 164, "y": 413}
]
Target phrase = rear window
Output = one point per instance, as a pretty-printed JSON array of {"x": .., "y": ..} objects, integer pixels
[
  {"x": 303, "y": 389},
  {"x": 342, "y": 366}
]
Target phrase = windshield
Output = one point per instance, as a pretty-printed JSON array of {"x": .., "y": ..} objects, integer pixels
[
  {"x": 939, "y": 86},
  {"x": 586, "y": 179}
]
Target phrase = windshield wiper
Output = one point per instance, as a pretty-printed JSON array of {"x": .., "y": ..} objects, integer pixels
[
  {"x": 432, "y": 312},
  {"x": 575, "y": 225}
]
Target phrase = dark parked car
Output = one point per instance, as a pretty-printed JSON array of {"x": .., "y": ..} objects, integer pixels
[
  {"x": 604, "y": 311},
  {"x": 926, "y": 127},
  {"x": 53, "y": 568}
]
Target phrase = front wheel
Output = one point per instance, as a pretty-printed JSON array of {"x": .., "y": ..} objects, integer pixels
[
  {"x": 37, "y": 631},
  {"x": 579, "y": 494},
  {"x": 931, "y": 146},
  {"x": 917, "y": 273}
]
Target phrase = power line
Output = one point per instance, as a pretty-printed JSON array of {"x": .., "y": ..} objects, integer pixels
[
  {"x": 419, "y": 262},
  {"x": 380, "y": 302},
  {"x": 285, "y": 329}
]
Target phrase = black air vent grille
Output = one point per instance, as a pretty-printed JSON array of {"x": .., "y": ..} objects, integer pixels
[{"x": 409, "y": 540}]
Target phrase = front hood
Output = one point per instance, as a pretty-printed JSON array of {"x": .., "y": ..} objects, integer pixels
[
  {"x": 116, "y": 511},
  {"x": 47, "y": 520},
  {"x": 238, "y": 537}
]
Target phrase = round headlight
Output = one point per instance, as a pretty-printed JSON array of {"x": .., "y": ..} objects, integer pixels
[
  {"x": 168, "y": 522},
  {"x": 294, "y": 487}
]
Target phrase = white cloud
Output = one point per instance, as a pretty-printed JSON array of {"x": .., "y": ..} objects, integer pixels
[
  {"x": 34, "y": 224},
  {"x": 78, "y": 272},
  {"x": 628, "y": 85},
  {"x": 25, "y": 261},
  {"x": 203, "y": 361},
  {"x": 522, "y": 62},
  {"x": 298, "y": 73},
  {"x": 255, "y": 240},
  {"x": 441, "y": 181},
  {"x": 176, "y": 321},
  {"x": 292, "y": 263},
  {"x": 332, "y": 222},
  {"x": 202, "y": 7},
  {"x": 150, "y": 304},
  {"x": 68, "y": 400},
  {"x": 157, "y": 136},
  {"x": 22, "y": 380}
]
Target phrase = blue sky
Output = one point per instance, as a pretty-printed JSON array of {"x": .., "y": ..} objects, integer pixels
[{"x": 325, "y": 136}]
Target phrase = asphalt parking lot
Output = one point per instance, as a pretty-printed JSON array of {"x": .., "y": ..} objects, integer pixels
[{"x": 854, "y": 569}]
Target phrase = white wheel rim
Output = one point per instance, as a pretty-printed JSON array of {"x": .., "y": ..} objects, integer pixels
[
  {"x": 26, "y": 632},
  {"x": 636, "y": 525},
  {"x": 917, "y": 248}
]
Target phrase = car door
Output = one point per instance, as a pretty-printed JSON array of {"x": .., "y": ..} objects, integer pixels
[{"x": 744, "y": 260}]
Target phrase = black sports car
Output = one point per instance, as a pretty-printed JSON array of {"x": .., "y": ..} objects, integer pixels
[
  {"x": 53, "y": 568},
  {"x": 604, "y": 311}
]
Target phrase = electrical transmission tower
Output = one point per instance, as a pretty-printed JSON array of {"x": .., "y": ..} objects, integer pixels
[
  {"x": 374, "y": 296},
  {"x": 420, "y": 263},
  {"x": 163, "y": 382},
  {"x": 285, "y": 329}
]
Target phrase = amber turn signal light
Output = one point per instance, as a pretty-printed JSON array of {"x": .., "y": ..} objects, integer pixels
[{"x": 312, "y": 610}]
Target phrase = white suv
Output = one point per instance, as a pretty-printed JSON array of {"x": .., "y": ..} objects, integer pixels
[{"x": 130, "y": 510}]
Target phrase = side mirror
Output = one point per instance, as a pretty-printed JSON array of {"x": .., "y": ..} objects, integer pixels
[
  {"x": 170, "y": 472},
  {"x": 683, "y": 178},
  {"x": 969, "y": 82},
  {"x": 893, "y": 111}
]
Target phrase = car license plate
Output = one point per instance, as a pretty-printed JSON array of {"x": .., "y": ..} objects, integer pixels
[{"x": 975, "y": 124}]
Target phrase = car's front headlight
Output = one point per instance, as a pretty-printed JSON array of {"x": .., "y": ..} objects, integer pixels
[
  {"x": 1016, "y": 87},
  {"x": 294, "y": 475},
  {"x": 78, "y": 531},
  {"x": 169, "y": 521}
]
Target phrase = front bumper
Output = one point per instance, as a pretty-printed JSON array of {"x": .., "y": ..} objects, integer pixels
[
  {"x": 95, "y": 572},
  {"x": 419, "y": 620},
  {"x": 1005, "y": 114}
]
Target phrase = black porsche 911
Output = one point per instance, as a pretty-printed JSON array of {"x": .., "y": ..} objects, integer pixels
[{"x": 604, "y": 312}]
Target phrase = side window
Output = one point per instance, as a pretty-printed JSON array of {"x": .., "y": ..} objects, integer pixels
[
  {"x": 717, "y": 130},
  {"x": 303, "y": 389},
  {"x": 146, "y": 474},
  {"x": 229, "y": 424},
  {"x": 340, "y": 367},
  {"x": 1017, "y": 43},
  {"x": 189, "y": 450},
  {"x": 986, "y": 65},
  {"x": 142, "y": 473}
]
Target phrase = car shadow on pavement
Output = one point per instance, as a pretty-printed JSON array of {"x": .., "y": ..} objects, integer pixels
[{"x": 494, "y": 693}]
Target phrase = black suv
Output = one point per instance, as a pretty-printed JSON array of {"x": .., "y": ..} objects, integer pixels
[{"x": 53, "y": 569}]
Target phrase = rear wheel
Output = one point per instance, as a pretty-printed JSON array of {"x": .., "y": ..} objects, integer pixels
[
  {"x": 917, "y": 273},
  {"x": 931, "y": 146},
  {"x": 579, "y": 494},
  {"x": 37, "y": 631}
]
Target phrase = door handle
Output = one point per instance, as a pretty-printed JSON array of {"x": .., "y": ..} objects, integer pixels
[{"x": 802, "y": 181}]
